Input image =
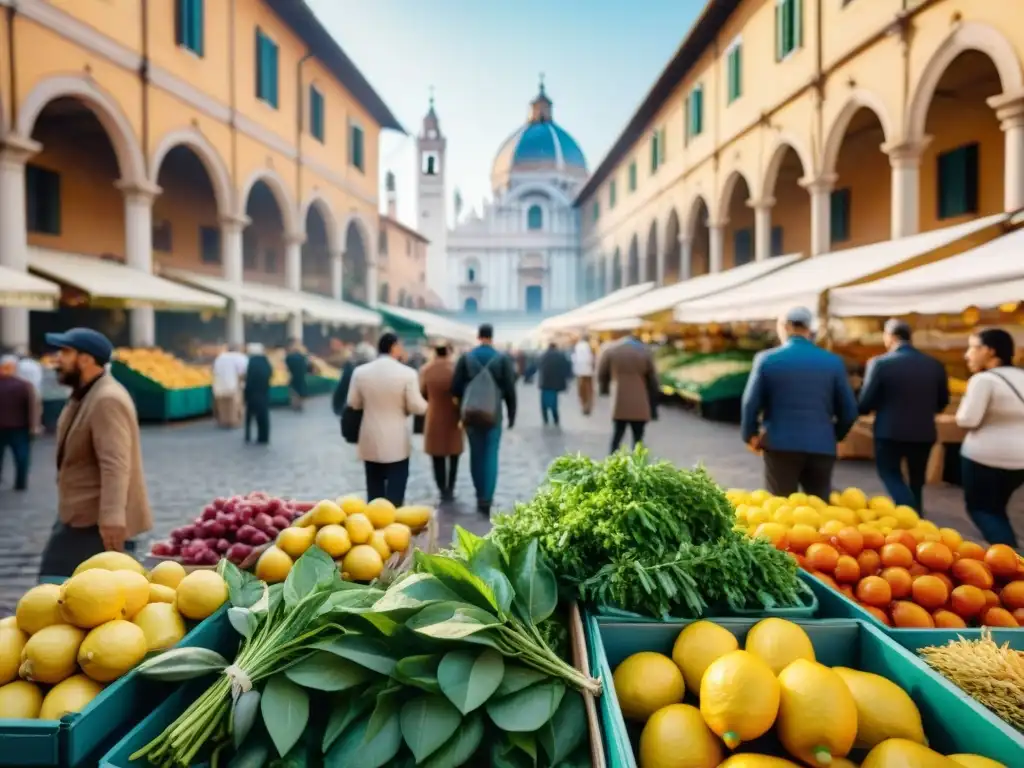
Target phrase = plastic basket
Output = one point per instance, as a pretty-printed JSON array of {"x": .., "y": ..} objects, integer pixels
[{"x": 953, "y": 722}]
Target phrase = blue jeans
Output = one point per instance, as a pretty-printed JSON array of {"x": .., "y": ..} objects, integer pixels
[
  {"x": 889, "y": 458},
  {"x": 549, "y": 404},
  {"x": 483, "y": 461},
  {"x": 987, "y": 491},
  {"x": 20, "y": 443}
]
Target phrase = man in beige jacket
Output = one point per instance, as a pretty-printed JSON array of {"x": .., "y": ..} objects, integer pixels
[
  {"x": 101, "y": 491},
  {"x": 387, "y": 392}
]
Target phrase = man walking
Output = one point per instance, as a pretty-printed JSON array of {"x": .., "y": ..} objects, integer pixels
[
  {"x": 796, "y": 406},
  {"x": 485, "y": 439},
  {"x": 101, "y": 489},
  {"x": 553, "y": 373},
  {"x": 631, "y": 366},
  {"x": 258, "y": 374},
  {"x": 228, "y": 371},
  {"x": 905, "y": 388},
  {"x": 583, "y": 370},
  {"x": 297, "y": 363},
  {"x": 19, "y": 419},
  {"x": 30, "y": 369}
]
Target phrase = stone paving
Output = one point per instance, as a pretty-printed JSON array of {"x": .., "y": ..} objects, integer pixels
[{"x": 189, "y": 464}]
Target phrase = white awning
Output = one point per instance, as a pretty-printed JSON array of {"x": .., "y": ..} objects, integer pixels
[
  {"x": 114, "y": 281},
  {"x": 985, "y": 277},
  {"x": 619, "y": 324},
  {"x": 246, "y": 306},
  {"x": 20, "y": 289},
  {"x": 433, "y": 324},
  {"x": 570, "y": 320},
  {"x": 802, "y": 284},
  {"x": 663, "y": 299}
]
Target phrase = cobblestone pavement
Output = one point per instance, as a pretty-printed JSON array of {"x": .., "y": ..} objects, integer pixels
[{"x": 189, "y": 464}]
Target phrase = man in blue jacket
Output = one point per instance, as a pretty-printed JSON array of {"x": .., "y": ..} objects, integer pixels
[
  {"x": 797, "y": 405},
  {"x": 905, "y": 388}
]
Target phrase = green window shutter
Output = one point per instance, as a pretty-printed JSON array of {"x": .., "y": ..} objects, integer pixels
[
  {"x": 737, "y": 72},
  {"x": 316, "y": 113},
  {"x": 698, "y": 111},
  {"x": 273, "y": 72},
  {"x": 181, "y": 22},
  {"x": 199, "y": 22},
  {"x": 779, "y": 25},
  {"x": 798, "y": 22},
  {"x": 611, "y": 194},
  {"x": 958, "y": 181},
  {"x": 839, "y": 216},
  {"x": 261, "y": 66},
  {"x": 356, "y": 146},
  {"x": 661, "y": 146},
  {"x": 632, "y": 176}
]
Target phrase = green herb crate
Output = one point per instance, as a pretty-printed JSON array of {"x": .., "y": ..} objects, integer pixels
[{"x": 953, "y": 722}]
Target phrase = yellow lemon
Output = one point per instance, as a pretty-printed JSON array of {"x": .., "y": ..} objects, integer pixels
[
  {"x": 416, "y": 517},
  {"x": 645, "y": 682},
  {"x": 378, "y": 542},
  {"x": 167, "y": 573},
  {"x": 774, "y": 532},
  {"x": 295, "y": 541},
  {"x": 906, "y": 517},
  {"x": 50, "y": 654},
  {"x": 273, "y": 566},
  {"x": 200, "y": 594},
  {"x": 881, "y": 503},
  {"x": 91, "y": 598},
  {"x": 867, "y": 515},
  {"x": 903, "y": 752},
  {"x": 397, "y": 537},
  {"x": 757, "y": 516},
  {"x": 969, "y": 761},
  {"x": 853, "y": 498},
  {"x": 110, "y": 561},
  {"x": 832, "y": 527},
  {"x": 12, "y": 642},
  {"x": 161, "y": 624},
  {"x": 739, "y": 697},
  {"x": 817, "y": 502},
  {"x": 362, "y": 563},
  {"x": 697, "y": 646},
  {"x": 158, "y": 593},
  {"x": 817, "y": 714},
  {"x": 39, "y": 608},
  {"x": 798, "y": 499},
  {"x": 783, "y": 515},
  {"x": 773, "y": 504},
  {"x": 884, "y": 710},
  {"x": 135, "y": 588},
  {"x": 842, "y": 514},
  {"x": 759, "y": 496},
  {"x": 333, "y": 539},
  {"x": 71, "y": 695},
  {"x": 20, "y": 700},
  {"x": 677, "y": 737},
  {"x": 380, "y": 512},
  {"x": 751, "y": 760},
  {"x": 111, "y": 649},
  {"x": 327, "y": 512},
  {"x": 806, "y": 515},
  {"x": 9, "y": 621},
  {"x": 351, "y": 504},
  {"x": 359, "y": 528},
  {"x": 778, "y": 642},
  {"x": 928, "y": 525},
  {"x": 741, "y": 513}
]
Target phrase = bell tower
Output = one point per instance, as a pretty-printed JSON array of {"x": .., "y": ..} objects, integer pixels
[{"x": 431, "y": 217}]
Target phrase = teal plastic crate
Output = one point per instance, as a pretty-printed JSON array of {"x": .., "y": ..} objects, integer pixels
[
  {"x": 953, "y": 721},
  {"x": 280, "y": 395}
]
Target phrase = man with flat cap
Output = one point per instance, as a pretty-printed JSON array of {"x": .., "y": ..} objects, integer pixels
[
  {"x": 904, "y": 388},
  {"x": 101, "y": 490}
]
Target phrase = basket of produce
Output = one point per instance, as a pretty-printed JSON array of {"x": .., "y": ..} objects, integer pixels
[
  {"x": 712, "y": 377},
  {"x": 69, "y": 655},
  {"x": 461, "y": 661},
  {"x": 741, "y": 693},
  {"x": 163, "y": 387}
]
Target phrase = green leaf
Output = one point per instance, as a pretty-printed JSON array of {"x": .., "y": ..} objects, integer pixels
[
  {"x": 179, "y": 664},
  {"x": 314, "y": 570},
  {"x": 366, "y": 651},
  {"x": 285, "y": 708},
  {"x": 467, "y": 542},
  {"x": 253, "y": 754},
  {"x": 563, "y": 733},
  {"x": 505, "y": 754},
  {"x": 516, "y": 678},
  {"x": 451, "y": 621},
  {"x": 468, "y": 678},
  {"x": 244, "y": 589},
  {"x": 388, "y": 704},
  {"x": 415, "y": 591},
  {"x": 528, "y": 709},
  {"x": 324, "y": 671},
  {"x": 345, "y": 710},
  {"x": 461, "y": 746},
  {"x": 353, "y": 750},
  {"x": 352, "y": 598},
  {"x": 459, "y": 579},
  {"x": 243, "y": 715},
  {"x": 524, "y": 742},
  {"x": 428, "y": 721},
  {"x": 419, "y": 671},
  {"x": 489, "y": 564},
  {"x": 535, "y": 585},
  {"x": 243, "y": 621}
]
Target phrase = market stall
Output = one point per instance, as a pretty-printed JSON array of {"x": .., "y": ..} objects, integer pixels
[
  {"x": 569, "y": 321},
  {"x": 20, "y": 289},
  {"x": 247, "y": 306},
  {"x": 430, "y": 324}
]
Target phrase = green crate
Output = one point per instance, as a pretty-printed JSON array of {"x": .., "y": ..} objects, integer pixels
[
  {"x": 280, "y": 395},
  {"x": 954, "y": 722},
  {"x": 154, "y": 402}
]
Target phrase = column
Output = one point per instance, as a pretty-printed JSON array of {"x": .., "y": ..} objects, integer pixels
[
  {"x": 138, "y": 252},
  {"x": 685, "y": 257},
  {"x": 762, "y": 227},
  {"x": 905, "y": 161},
  {"x": 1009, "y": 109},
  {"x": 231, "y": 229},
  {"x": 336, "y": 274},
  {"x": 293, "y": 276},
  {"x": 716, "y": 245},
  {"x": 372, "y": 278},
  {"x": 14, "y": 151},
  {"x": 820, "y": 191}
]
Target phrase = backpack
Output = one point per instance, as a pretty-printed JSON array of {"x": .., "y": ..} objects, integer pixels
[{"x": 481, "y": 402}]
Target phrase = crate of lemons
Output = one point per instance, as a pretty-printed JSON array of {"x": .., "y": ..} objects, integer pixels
[
  {"x": 164, "y": 368},
  {"x": 66, "y": 642},
  {"x": 361, "y": 537},
  {"x": 774, "y": 684}
]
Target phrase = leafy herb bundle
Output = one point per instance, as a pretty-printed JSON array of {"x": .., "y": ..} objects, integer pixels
[{"x": 644, "y": 536}]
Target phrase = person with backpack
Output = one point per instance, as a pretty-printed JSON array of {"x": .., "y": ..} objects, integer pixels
[{"x": 483, "y": 379}]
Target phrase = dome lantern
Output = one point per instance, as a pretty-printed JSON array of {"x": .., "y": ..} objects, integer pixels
[{"x": 540, "y": 107}]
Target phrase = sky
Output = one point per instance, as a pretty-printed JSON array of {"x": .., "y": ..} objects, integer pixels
[{"x": 483, "y": 59}]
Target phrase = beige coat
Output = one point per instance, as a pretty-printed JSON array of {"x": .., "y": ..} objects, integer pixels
[
  {"x": 99, "y": 471},
  {"x": 631, "y": 366},
  {"x": 442, "y": 435},
  {"x": 387, "y": 392}
]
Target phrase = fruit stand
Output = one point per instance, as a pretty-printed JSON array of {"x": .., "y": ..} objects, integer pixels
[{"x": 163, "y": 387}]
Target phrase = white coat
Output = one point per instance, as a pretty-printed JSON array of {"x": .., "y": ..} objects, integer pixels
[{"x": 387, "y": 392}]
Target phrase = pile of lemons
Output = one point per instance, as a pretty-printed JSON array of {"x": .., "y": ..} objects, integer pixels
[
  {"x": 360, "y": 536},
  {"x": 67, "y": 641},
  {"x": 773, "y": 684},
  {"x": 164, "y": 368}
]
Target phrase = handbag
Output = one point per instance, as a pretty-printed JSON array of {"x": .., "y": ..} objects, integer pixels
[
  {"x": 418, "y": 424},
  {"x": 351, "y": 423}
]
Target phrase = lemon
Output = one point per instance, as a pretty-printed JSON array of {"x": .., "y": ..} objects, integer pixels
[
  {"x": 783, "y": 515},
  {"x": 200, "y": 594},
  {"x": 759, "y": 496},
  {"x": 884, "y": 710},
  {"x": 71, "y": 695},
  {"x": 326, "y": 512},
  {"x": 158, "y": 593},
  {"x": 817, "y": 502},
  {"x": 797, "y": 499},
  {"x": 380, "y": 512},
  {"x": 736, "y": 496},
  {"x": 697, "y": 646},
  {"x": 362, "y": 563},
  {"x": 817, "y": 714},
  {"x": 333, "y": 539},
  {"x": 750, "y": 760},
  {"x": 757, "y": 516},
  {"x": 110, "y": 561},
  {"x": 970, "y": 761},
  {"x": 906, "y": 517},
  {"x": 397, "y": 537},
  {"x": 161, "y": 624},
  {"x": 112, "y": 649},
  {"x": 359, "y": 528},
  {"x": 378, "y": 542},
  {"x": 928, "y": 526},
  {"x": 135, "y": 588},
  {"x": 20, "y": 700},
  {"x": 168, "y": 573},
  {"x": 881, "y": 503},
  {"x": 903, "y": 752},
  {"x": 273, "y": 566},
  {"x": 416, "y": 517},
  {"x": 887, "y": 521},
  {"x": 12, "y": 642},
  {"x": 844, "y": 515},
  {"x": 778, "y": 642},
  {"x": 38, "y": 608},
  {"x": 304, "y": 520},
  {"x": 295, "y": 541},
  {"x": 867, "y": 515},
  {"x": 351, "y": 504},
  {"x": 645, "y": 682},
  {"x": 8, "y": 621},
  {"x": 832, "y": 527},
  {"x": 739, "y": 697},
  {"x": 773, "y": 504},
  {"x": 50, "y": 654},
  {"x": 677, "y": 737},
  {"x": 91, "y": 598},
  {"x": 806, "y": 515},
  {"x": 853, "y": 498}
]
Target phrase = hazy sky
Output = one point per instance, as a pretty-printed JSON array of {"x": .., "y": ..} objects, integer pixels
[{"x": 483, "y": 58}]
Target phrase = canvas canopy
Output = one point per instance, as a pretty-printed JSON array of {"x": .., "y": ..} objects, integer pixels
[
  {"x": 20, "y": 289},
  {"x": 570, "y": 320},
  {"x": 246, "y": 306},
  {"x": 433, "y": 325}
]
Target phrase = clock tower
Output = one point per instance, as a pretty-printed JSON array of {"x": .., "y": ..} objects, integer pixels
[{"x": 431, "y": 217}]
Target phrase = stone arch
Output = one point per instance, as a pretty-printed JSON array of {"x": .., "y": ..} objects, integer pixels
[
  {"x": 215, "y": 167},
  {"x": 696, "y": 205},
  {"x": 729, "y": 188},
  {"x": 355, "y": 266},
  {"x": 673, "y": 251},
  {"x": 651, "y": 261},
  {"x": 858, "y": 100},
  {"x": 783, "y": 144},
  {"x": 322, "y": 206},
  {"x": 130, "y": 160},
  {"x": 966, "y": 36},
  {"x": 633, "y": 261},
  {"x": 279, "y": 189}
]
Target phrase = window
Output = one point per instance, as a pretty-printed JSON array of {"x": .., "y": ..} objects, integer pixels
[
  {"x": 382, "y": 241},
  {"x": 958, "y": 181},
  {"x": 355, "y": 147},
  {"x": 161, "y": 236},
  {"x": 316, "y": 114},
  {"x": 734, "y": 71},
  {"x": 743, "y": 247},
  {"x": 632, "y": 176},
  {"x": 657, "y": 149},
  {"x": 471, "y": 275},
  {"x": 535, "y": 218},
  {"x": 209, "y": 245},
  {"x": 189, "y": 25},
  {"x": 695, "y": 112},
  {"x": 788, "y": 27},
  {"x": 839, "y": 216},
  {"x": 597, "y": 210},
  {"x": 611, "y": 193},
  {"x": 776, "y": 241},
  {"x": 42, "y": 200},
  {"x": 266, "y": 69},
  {"x": 383, "y": 293},
  {"x": 431, "y": 164}
]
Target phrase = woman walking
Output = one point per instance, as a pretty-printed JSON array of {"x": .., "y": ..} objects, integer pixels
[
  {"x": 442, "y": 434},
  {"x": 992, "y": 454}
]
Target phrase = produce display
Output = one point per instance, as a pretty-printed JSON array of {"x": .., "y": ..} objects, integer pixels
[
  {"x": 644, "y": 536},
  {"x": 446, "y": 667},
  {"x": 903, "y": 570},
  {"x": 715, "y": 376},
  {"x": 164, "y": 368},
  {"x": 774, "y": 686},
  {"x": 706, "y": 372},
  {"x": 323, "y": 368},
  {"x": 67, "y": 641}
]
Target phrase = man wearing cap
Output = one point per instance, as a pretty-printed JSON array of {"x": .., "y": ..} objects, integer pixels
[
  {"x": 904, "y": 388},
  {"x": 101, "y": 490},
  {"x": 797, "y": 405}
]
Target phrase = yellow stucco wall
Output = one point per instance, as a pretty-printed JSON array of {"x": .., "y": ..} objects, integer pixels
[{"x": 405, "y": 263}]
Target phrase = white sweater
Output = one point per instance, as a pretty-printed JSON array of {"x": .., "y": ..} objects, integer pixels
[{"x": 994, "y": 417}]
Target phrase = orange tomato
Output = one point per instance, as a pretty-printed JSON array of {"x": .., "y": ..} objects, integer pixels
[
  {"x": 874, "y": 590},
  {"x": 934, "y": 555},
  {"x": 908, "y": 614},
  {"x": 1012, "y": 595},
  {"x": 847, "y": 570},
  {"x": 849, "y": 540},
  {"x": 1002, "y": 561},
  {"x": 825, "y": 578},
  {"x": 799, "y": 560},
  {"x": 944, "y": 579},
  {"x": 902, "y": 537},
  {"x": 896, "y": 554},
  {"x": 929, "y": 592},
  {"x": 822, "y": 557},
  {"x": 917, "y": 569},
  {"x": 970, "y": 550},
  {"x": 991, "y": 599},
  {"x": 873, "y": 539},
  {"x": 972, "y": 572},
  {"x": 1018, "y": 614},
  {"x": 900, "y": 581},
  {"x": 967, "y": 601},
  {"x": 998, "y": 617},
  {"x": 948, "y": 620},
  {"x": 878, "y": 613},
  {"x": 847, "y": 590},
  {"x": 800, "y": 537},
  {"x": 869, "y": 562}
]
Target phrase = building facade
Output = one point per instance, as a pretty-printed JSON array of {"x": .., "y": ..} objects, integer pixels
[
  {"x": 402, "y": 258},
  {"x": 232, "y": 138},
  {"x": 792, "y": 126}
]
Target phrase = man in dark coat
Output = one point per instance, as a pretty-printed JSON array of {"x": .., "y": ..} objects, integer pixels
[
  {"x": 297, "y": 363},
  {"x": 630, "y": 365},
  {"x": 257, "y": 394},
  {"x": 553, "y": 374}
]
